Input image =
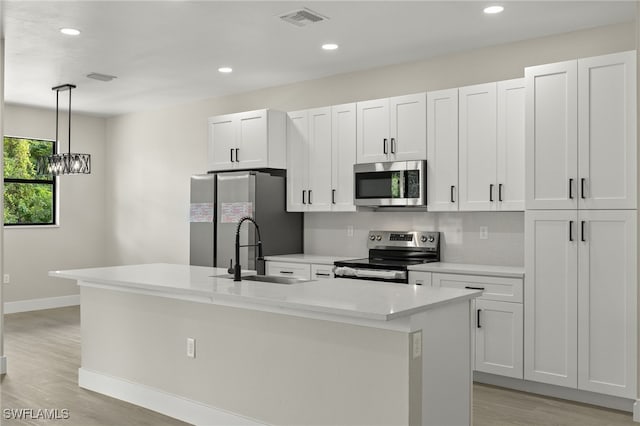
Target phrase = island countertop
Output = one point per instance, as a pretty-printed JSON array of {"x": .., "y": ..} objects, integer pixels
[{"x": 362, "y": 299}]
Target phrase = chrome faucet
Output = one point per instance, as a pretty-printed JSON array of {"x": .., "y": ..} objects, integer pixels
[{"x": 235, "y": 270}]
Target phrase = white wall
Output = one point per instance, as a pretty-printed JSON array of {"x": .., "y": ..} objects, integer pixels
[
  {"x": 151, "y": 155},
  {"x": 30, "y": 252}
]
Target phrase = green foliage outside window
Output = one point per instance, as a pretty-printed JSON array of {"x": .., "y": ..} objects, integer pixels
[{"x": 29, "y": 199}]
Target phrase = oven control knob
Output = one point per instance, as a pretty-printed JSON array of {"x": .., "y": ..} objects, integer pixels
[
  {"x": 423, "y": 239},
  {"x": 372, "y": 237},
  {"x": 378, "y": 238},
  {"x": 431, "y": 239}
]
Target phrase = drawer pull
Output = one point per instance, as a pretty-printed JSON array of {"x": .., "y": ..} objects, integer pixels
[
  {"x": 286, "y": 272},
  {"x": 322, "y": 274},
  {"x": 473, "y": 288}
]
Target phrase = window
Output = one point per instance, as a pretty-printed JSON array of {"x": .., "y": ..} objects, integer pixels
[{"x": 29, "y": 199}]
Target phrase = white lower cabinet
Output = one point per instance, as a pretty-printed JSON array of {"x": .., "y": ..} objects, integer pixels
[
  {"x": 497, "y": 337},
  {"x": 581, "y": 300},
  {"x": 306, "y": 271},
  {"x": 420, "y": 278}
]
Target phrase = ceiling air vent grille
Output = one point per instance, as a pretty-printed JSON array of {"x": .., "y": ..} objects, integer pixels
[{"x": 303, "y": 17}]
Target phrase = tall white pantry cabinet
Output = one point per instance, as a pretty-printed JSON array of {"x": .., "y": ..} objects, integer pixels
[{"x": 580, "y": 225}]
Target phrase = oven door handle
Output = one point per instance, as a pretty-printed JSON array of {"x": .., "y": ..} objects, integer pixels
[{"x": 374, "y": 273}]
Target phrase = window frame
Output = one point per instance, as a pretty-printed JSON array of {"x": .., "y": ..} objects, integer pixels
[{"x": 53, "y": 182}]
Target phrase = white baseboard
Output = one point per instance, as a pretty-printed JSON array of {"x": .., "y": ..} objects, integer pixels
[
  {"x": 162, "y": 402},
  {"x": 608, "y": 401},
  {"x": 40, "y": 304},
  {"x": 3, "y": 364},
  {"x": 636, "y": 411}
]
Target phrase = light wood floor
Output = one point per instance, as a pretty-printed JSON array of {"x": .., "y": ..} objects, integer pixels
[{"x": 43, "y": 351}]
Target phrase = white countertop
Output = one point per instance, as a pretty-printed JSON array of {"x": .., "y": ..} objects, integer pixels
[
  {"x": 335, "y": 296},
  {"x": 306, "y": 258},
  {"x": 466, "y": 268}
]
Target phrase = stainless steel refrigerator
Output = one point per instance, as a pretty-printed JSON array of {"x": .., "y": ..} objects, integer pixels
[{"x": 219, "y": 200}]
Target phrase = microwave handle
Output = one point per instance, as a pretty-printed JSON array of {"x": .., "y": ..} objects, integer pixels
[{"x": 403, "y": 184}]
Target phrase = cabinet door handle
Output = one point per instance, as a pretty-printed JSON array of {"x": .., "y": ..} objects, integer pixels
[
  {"x": 500, "y": 192},
  {"x": 582, "y": 231},
  {"x": 570, "y": 189},
  {"x": 333, "y": 196},
  {"x": 393, "y": 145},
  {"x": 304, "y": 192},
  {"x": 452, "y": 188},
  {"x": 473, "y": 288},
  {"x": 478, "y": 318},
  {"x": 384, "y": 145},
  {"x": 231, "y": 152},
  {"x": 570, "y": 230},
  {"x": 582, "y": 188},
  {"x": 310, "y": 197},
  {"x": 491, "y": 192},
  {"x": 286, "y": 272},
  {"x": 237, "y": 156}
]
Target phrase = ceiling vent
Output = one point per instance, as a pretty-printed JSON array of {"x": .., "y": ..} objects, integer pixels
[
  {"x": 101, "y": 77},
  {"x": 303, "y": 17}
]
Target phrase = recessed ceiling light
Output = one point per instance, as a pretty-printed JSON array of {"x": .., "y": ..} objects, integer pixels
[
  {"x": 225, "y": 70},
  {"x": 491, "y": 10},
  {"x": 330, "y": 46},
  {"x": 70, "y": 31}
]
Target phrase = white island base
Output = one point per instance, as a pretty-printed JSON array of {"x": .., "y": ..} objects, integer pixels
[{"x": 270, "y": 363}]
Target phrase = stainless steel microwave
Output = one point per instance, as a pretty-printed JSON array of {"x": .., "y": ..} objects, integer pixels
[{"x": 396, "y": 183}]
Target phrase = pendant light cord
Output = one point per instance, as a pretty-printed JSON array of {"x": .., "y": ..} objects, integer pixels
[
  {"x": 57, "y": 109},
  {"x": 69, "y": 134}
]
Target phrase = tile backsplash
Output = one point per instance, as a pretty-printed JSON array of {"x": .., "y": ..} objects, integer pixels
[{"x": 327, "y": 233}]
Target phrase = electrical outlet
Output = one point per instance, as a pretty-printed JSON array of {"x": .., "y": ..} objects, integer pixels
[
  {"x": 350, "y": 231},
  {"x": 6, "y": 279},
  {"x": 484, "y": 232},
  {"x": 191, "y": 347},
  {"x": 417, "y": 344}
]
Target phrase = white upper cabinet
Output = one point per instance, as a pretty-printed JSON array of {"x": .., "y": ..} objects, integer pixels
[
  {"x": 392, "y": 129},
  {"x": 320, "y": 156},
  {"x": 319, "y": 163},
  {"x": 247, "y": 140},
  {"x": 343, "y": 151},
  {"x": 297, "y": 160},
  {"x": 551, "y": 136},
  {"x": 510, "y": 144},
  {"x": 607, "y": 131},
  {"x": 478, "y": 159},
  {"x": 581, "y": 134},
  {"x": 491, "y": 132},
  {"x": 442, "y": 150}
]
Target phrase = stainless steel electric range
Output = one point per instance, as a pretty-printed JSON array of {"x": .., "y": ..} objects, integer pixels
[{"x": 390, "y": 255}]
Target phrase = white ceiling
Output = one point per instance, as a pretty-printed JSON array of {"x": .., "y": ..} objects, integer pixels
[{"x": 168, "y": 52}]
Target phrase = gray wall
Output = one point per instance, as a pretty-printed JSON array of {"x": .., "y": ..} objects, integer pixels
[
  {"x": 152, "y": 154},
  {"x": 78, "y": 241}
]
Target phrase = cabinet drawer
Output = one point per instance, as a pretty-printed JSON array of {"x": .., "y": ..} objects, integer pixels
[
  {"x": 321, "y": 271},
  {"x": 495, "y": 288},
  {"x": 420, "y": 278},
  {"x": 286, "y": 269}
]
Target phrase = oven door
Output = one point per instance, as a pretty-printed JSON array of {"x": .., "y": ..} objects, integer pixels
[{"x": 400, "y": 183}]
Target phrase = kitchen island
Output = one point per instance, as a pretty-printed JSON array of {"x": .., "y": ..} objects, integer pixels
[{"x": 329, "y": 351}]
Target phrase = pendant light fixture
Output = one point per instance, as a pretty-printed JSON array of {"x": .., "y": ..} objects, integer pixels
[{"x": 68, "y": 163}]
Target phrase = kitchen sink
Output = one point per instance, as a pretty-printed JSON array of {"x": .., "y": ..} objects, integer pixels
[{"x": 276, "y": 279}]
